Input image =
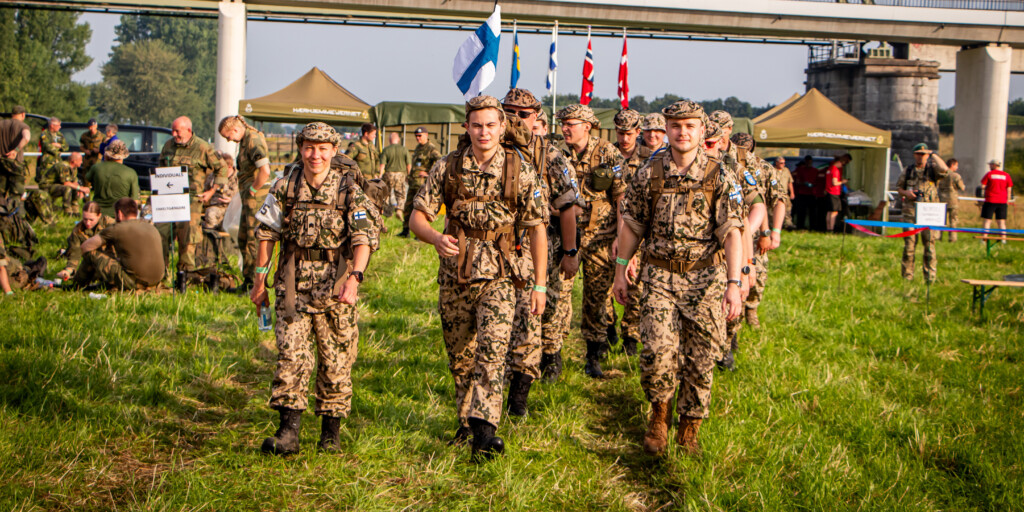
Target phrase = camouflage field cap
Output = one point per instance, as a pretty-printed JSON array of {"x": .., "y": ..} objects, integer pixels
[
  {"x": 743, "y": 140},
  {"x": 684, "y": 109},
  {"x": 721, "y": 117},
  {"x": 116, "y": 150},
  {"x": 481, "y": 102},
  {"x": 581, "y": 112},
  {"x": 317, "y": 132},
  {"x": 654, "y": 121},
  {"x": 628, "y": 119},
  {"x": 520, "y": 98},
  {"x": 712, "y": 130},
  {"x": 995, "y": 162}
]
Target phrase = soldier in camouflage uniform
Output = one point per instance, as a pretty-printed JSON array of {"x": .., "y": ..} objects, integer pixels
[
  {"x": 627, "y": 130},
  {"x": 599, "y": 169},
  {"x": 918, "y": 182},
  {"x": 61, "y": 181},
  {"x": 324, "y": 223},
  {"x": 5, "y": 262},
  {"x": 14, "y": 135},
  {"x": 51, "y": 144},
  {"x": 686, "y": 210},
  {"x": 558, "y": 178},
  {"x": 424, "y": 157},
  {"x": 394, "y": 162},
  {"x": 131, "y": 259},
  {"x": 90, "y": 141},
  {"x": 489, "y": 193},
  {"x": 253, "y": 170},
  {"x": 949, "y": 193},
  {"x": 654, "y": 131},
  {"x": 364, "y": 152},
  {"x": 185, "y": 149},
  {"x": 93, "y": 221}
]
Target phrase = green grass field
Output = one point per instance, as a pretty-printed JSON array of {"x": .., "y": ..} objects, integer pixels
[{"x": 864, "y": 397}]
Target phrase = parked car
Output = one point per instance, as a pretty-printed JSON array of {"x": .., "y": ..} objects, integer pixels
[{"x": 143, "y": 142}]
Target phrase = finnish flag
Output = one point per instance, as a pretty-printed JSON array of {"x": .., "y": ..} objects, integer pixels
[{"x": 477, "y": 59}]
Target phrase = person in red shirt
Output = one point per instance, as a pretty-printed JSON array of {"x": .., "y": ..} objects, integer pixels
[
  {"x": 997, "y": 185},
  {"x": 833, "y": 189}
]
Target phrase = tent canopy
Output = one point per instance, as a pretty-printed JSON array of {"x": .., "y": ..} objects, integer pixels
[
  {"x": 772, "y": 111},
  {"x": 814, "y": 121},
  {"x": 313, "y": 97}
]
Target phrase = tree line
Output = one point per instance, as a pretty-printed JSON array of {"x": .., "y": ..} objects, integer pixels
[{"x": 732, "y": 104}]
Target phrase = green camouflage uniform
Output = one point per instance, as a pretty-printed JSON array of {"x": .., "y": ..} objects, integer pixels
[
  {"x": 90, "y": 143},
  {"x": 395, "y": 159},
  {"x": 366, "y": 156},
  {"x": 213, "y": 251},
  {"x": 50, "y": 154},
  {"x": 252, "y": 154},
  {"x": 631, "y": 312},
  {"x": 477, "y": 309},
  {"x": 52, "y": 181},
  {"x": 201, "y": 160},
  {"x": 323, "y": 332},
  {"x": 13, "y": 171},
  {"x": 423, "y": 159},
  {"x": 924, "y": 180},
  {"x": 79, "y": 234},
  {"x": 683, "y": 322},
  {"x": 949, "y": 188}
]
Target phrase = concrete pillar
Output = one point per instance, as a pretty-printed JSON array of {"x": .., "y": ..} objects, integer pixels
[
  {"x": 982, "y": 95},
  {"x": 230, "y": 65}
]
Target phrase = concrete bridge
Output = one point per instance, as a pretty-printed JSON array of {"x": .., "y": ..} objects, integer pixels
[{"x": 982, "y": 40}]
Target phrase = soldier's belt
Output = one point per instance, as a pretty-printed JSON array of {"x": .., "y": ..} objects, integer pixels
[
  {"x": 307, "y": 254},
  {"x": 488, "y": 235},
  {"x": 682, "y": 267}
]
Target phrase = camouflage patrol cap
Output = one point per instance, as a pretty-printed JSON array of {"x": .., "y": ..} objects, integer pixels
[
  {"x": 743, "y": 140},
  {"x": 712, "y": 130},
  {"x": 628, "y": 119},
  {"x": 721, "y": 117},
  {"x": 483, "y": 102},
  {"x": 317, "y": 132},
  {"x": 116, "y": 150},
  {"x": 581, "y": 112},
  {"x": 654, "y": 121},
  {"x": 521, "y": 98},
  {"x": 684, "y": 109}
]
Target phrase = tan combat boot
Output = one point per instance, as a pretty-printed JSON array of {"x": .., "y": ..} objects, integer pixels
[
  {"x": 656, "y": 438},
  {"x": 752, "y": 320},
  {"x": 686, "y": 436}
]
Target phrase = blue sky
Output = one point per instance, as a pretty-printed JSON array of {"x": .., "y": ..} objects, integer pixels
[{"x": 379, "y": 64}]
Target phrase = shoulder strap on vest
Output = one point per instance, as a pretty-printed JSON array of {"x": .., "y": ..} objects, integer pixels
[
  {"x": 657, "y": 181},
  {"x": 513, "y": 160}
]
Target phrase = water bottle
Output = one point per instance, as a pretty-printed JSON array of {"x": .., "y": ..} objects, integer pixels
[
  {"x": 265, "y": 321},
  {"x": 97, "y": 296},
  {"x": 44, "y": 283}
]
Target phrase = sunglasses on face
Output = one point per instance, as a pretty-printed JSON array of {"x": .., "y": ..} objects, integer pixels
[
  {"x": 570, "y": 125},
  {"x": 710, "y": 144},
  {"x": 523, "y": 114}
]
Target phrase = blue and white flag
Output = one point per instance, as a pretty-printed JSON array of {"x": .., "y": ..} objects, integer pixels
[
  {"x": 477, "y": 59},
  {"x": 553, "y": 60},
  {"x": 516, "y": 67}
]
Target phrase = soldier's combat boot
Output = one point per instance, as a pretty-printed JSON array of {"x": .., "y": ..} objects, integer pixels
[
  {"x": 404, "y": 233},
  {"x": 629, "y": 345},
  {"x": 485, "y": 444},
  {"x": 593, "y": 367},
  {"x": 551, "y": 366},
  {"x": 686, "y": 434},
  {"x": 656, "y": 438},
  {"x": 461, "y": 436},
  {"x": 751, "y": 316},
  {"x": 613, "y": 339},
  {"x": 518, "y": 392},
  {"x": 286, "y": 440},
  {"x": 181, "y": 283},
  {"x": 329, "y": 441}
]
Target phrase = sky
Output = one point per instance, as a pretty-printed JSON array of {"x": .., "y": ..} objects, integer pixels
[{"x": 398, "y": 64}]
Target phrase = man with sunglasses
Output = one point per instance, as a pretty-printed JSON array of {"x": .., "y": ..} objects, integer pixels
[
  {"x": 536, "y": 346},
  {"x": 599, "y": 168}
]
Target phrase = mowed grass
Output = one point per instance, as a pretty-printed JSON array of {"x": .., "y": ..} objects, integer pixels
[{"x": 872, "y": 395}]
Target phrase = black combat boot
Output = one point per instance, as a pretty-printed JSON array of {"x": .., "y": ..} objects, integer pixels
[
  {"x": 329, "y": 441},
  {"x": 551, "y": 366},
  {"x": 613, "y": 339},
  {"x": 181, "y": 284},
  {"x": 629, "y": 345},
  {"x": 404, "y": 233},
  {"x": 485, "y": 444},
  {"x": 518, "y": 392},
  {"x": 593, "y": 367},
  {"x": 286, "y": 440},
  {"x": 461, "y": 436}
]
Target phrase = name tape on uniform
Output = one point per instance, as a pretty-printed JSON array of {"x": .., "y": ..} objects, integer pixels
[{"x": 169, "y": 180}]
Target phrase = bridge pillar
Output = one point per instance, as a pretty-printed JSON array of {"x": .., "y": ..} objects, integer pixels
[
  {"x": 982, "y": 96},
  {"x": 230, "y": 65}
]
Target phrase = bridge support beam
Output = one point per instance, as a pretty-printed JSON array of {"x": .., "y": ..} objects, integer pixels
[
  {"x": 230, "y": 65},
  {"x": 982, "y": 97}
]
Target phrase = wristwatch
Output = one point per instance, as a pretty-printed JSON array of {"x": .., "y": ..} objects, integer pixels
[
  {"x": 734, "y": 281},
  {"x": 571, "y": 252},
  {"x": 766, "y": 233},
  {"x": 745, "y": 270},
  {"x": 358, "y": 275}
]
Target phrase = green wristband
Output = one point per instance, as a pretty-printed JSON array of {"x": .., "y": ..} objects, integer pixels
[
  {"x": 776, "y": 230},
  {"x": 540, "y": 289},
  {"x": 262, "y": 270},
  {"x": 252, "y": 190},
  {"x": 621, "y": 261}
]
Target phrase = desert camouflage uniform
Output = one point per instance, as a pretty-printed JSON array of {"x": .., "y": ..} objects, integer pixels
[
  {"x": 366, "y": 156},
  {"x": 477, "y": 314},
  {"x": 318, "y": 314},
  {"x": 949, "y": 188},
  {"x": 423, "y": 159},
  {"x": 768, "y": 180},
  {"x": 80, "y": 234},
  {"x": 683, "y": 322},
  {"x": 52, "y": 181},
  {"x": 631, "y": 312},
  {"x": 530, "y": 333},
  {"x": 201, "y": 160},
  {"x": 252, "y": 154},
  {"x": 90, "y": 143},
  {"x": 50, "y": 155},
  {"x": 913, "y": 179}
]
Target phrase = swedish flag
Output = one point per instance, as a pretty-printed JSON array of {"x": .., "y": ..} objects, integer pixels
[{"x": 515, "y": 57}]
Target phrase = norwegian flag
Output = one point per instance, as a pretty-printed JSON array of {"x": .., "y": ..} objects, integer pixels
[
  {"x": 624, "y": 74},
  {"x": 587, "y": 93}
]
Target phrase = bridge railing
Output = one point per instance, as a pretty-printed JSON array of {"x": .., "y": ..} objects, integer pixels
[{"x": 983, "y": 5}]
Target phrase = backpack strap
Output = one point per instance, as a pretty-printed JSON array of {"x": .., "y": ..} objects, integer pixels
[
  {"x": 657, "y": 183},
  {"x": 513, "y": 160}
]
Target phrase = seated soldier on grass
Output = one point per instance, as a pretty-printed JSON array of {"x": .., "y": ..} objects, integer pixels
[
  {"x": 131, "y": 258},
  {"x": 93, "y": 221}
]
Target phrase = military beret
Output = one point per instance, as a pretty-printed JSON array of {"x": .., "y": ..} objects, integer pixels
[
  {"x": 482, "y": 102},
  {"x": 921, "y": 148},
  {"x": 712, "y": 130},
  {"x": 743, "y": 140},
  {"x": 654, "y": 121},
  {"x": 116, "y": 150},
  {"x": 721, "y": 117},
  {"x": 18, "y": 109},
  {"x": 684, "y": 109},
  {"x": 421, "y": 129},
  {"x": 628, "y": 119},
  {"x": 521, "y": 98},
  {"x": 581, "y": 112},
  {"x": 318, "y": 132}
]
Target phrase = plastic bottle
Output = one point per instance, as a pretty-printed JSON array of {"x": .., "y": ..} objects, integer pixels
[
  {"x": 94, "y": 295},
  {"x": 44, "y": 283},
  {"x": 265, "y": 320}
]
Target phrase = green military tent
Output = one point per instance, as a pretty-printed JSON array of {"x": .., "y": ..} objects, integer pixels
[{"x": 315, "y": 96}]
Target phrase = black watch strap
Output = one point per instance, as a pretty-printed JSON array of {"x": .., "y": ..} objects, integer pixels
[
  {"x": 572, "y": 252},
  {"x": 358, "y": 275}
]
